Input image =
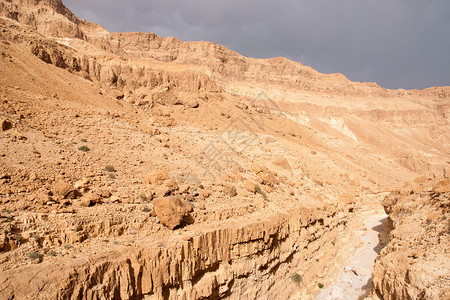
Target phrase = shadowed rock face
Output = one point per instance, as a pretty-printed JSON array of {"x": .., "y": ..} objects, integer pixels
[
  {"x": 133, "y": 165},
  {"x": 215, "y": 263}
]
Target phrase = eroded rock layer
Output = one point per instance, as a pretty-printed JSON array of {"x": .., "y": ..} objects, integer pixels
[
  {"x": 415, "y": 264},
  {"x": 246, "y": 259}
]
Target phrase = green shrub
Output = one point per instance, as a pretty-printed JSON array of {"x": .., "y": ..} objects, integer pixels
[
  {"x": 84, "y": 148},
  {"x": 109, "y": 168},
  {"x": 35, "y": 256},
  {"x": 260, "y": 191},
  {"x": 19, "y": 238},
  {"x": 320, "y": 285},
  {"x": 297, "y": 278}
]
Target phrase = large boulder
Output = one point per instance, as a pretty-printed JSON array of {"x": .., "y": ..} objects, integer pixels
[
  {"x": 268, "y": 178},
  {"x": 250, "y": 186},
  {"x": 167, "y": 188},
  {"x": 230, "y": 190},
  {"x": 64, "y": 190},
  {"x": 156, "y": 177},
  {"x": 6, "y": 125},
  {"x": 259, "y": 169},
  {"x": 172, "y": 211},
  {"x": 442, "y": 186}
]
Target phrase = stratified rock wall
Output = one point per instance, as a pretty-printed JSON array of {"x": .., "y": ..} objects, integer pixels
[{"x": 247, "y": 260}]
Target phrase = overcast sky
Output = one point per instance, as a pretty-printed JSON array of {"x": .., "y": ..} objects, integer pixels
[{"x": 396, "y": 43}]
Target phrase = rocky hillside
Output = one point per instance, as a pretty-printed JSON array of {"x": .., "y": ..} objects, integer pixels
[
  {"x": 133, "y": 165},
  {"x": 139, "y": 65}
]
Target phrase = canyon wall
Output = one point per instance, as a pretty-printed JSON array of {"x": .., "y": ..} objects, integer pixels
[
  {"x": 415, "y": 264},
  {"x": 245, "y": 260}
]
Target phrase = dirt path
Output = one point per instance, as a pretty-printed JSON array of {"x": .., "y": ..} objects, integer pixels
[{"x": 354, "y": 281}]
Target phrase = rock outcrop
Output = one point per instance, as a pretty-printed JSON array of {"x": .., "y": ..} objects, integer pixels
[
  {"x": 172, "y": 212},
  {"x": 251, "y": 259},
  {"x": 415, "y": 264},
  {"x": 221, "y": 62}
]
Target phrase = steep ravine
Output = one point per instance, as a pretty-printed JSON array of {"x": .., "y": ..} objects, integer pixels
[
  {"x": 354, "y": 280},
  {"x": 240, "y": 260}
]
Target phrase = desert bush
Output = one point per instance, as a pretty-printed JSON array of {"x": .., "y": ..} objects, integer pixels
[
  {"x": 84, "y": 148},
  {"x": 297, "y": 278},
  {"x": 260, "y": 191},
  {"x": 35, "y": 256},
  {"x": 320, "y": 285},
  {"x": 19, "y": 238},
  {"x": 109, "y": 168}
]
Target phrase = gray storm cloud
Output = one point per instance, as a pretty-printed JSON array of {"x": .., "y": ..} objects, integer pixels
[{"x": 396, "y": 43}]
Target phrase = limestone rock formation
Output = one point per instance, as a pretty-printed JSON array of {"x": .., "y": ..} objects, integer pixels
[
  {"x": 415, "y": 263},
  {"x": 64, "y": 190},
  {"x": 156, "y": 177},
  {"x": 172, "y": 211}
]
